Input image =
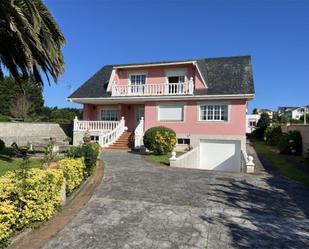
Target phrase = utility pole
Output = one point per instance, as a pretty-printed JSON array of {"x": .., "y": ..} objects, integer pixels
[{"x": 305, "y": 109}]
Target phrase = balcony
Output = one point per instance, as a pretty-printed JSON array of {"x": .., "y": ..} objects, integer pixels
[{"x": 185, "y": 88}]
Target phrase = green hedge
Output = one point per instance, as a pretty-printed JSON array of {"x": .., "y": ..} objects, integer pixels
[
  {"x": 161, "y": 140},
  {"x": 273, "y": 135},
  {"x": 27, "y": 198},
  {"x": 73, "y": 170},
  {"x": 291, "y": 143}
]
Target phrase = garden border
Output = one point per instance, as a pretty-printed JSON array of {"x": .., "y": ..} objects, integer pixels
[{"x": 36, "y": 238}]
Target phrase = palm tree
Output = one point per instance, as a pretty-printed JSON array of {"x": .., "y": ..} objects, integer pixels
[{"x": 30, "y": 40}]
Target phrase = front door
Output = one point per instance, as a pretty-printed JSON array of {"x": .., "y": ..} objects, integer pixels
[{"x": 139, "y": 113}]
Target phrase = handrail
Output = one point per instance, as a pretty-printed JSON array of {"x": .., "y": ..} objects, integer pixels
[
  {"x": 154, "y": 89},
  {"x": 108, "y": 138},
  {"x": 93, "y": 125},
  {"x": 138, "y": 134}
]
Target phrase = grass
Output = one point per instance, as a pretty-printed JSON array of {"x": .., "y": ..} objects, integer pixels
[
  {"x": 162, "y": 159},
  {"x": 7, "y": 163},
  {"x": 285, "y": 168}
]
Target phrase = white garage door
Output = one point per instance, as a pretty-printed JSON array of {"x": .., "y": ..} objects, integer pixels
[{"x": 220, "y": 155}]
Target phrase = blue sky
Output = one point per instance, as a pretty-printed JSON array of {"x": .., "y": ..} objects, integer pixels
[{"x": 275, "y": 33}]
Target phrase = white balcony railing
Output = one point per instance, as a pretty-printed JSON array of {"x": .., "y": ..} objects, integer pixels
[
  {"x": 85, "y": 125},
  {"x": 185, "y": 88},
  {"x": 107, "y": 131}
]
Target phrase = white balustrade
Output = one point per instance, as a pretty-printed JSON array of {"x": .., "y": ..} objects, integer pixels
[
  {"x": 94, "y": 125},
  {"x": 154, "y": 89},
  {"x": 139, "y": 134},
  {"x": 106, "y": 139}
]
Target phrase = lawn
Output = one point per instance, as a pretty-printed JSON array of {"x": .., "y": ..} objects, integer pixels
[
  {"x": 7, "y": 163},
  {"x": 285, "y": 168},
  {"x": 162, "y": 159}
]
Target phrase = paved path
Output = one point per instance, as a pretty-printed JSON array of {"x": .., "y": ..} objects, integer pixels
[{"x": 140, "y": 205}]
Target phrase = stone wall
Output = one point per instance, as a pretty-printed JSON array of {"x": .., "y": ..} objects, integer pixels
[{"x": 35, "y": 133}]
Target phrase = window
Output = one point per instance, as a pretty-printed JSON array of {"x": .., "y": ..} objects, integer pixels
[
  {"x": 95, "y": 139},
  {"x": 138, "y": 79},
  {"x": 109, "y": 115},
  {"x": 213, "y": 112},
  {"x": 183, "y": 141},
  {"x": 170, "y": 112},
  {"x": 252, "y": 123}
]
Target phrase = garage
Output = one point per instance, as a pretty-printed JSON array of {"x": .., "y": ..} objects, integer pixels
[{"x": 221, "y": 155}]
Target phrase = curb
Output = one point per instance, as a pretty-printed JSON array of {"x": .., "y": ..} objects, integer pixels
[{"x": 36, "y": 238}]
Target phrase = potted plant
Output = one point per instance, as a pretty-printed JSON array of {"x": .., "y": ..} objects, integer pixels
[
  {"x": 50, "y": 155},
  {"x": 87, "y": 137}
]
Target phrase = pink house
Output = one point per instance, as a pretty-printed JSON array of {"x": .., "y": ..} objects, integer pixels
[{"x": 203, "y": 100}]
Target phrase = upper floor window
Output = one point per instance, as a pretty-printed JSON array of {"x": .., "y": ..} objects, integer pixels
[
  {"x": 109, "y": 115},
  {"x": 213, "y": 112},
  {"x": 138, "y": 79}
]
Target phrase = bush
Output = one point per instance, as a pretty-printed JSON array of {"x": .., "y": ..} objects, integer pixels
[
  {"x": 74, "y": 152},
  {"x": 291, "y": 143},
  {"x": 161, "y": 140},
  {"x": 73, "y": 170},
  {"x": 2, "y": 145},
  {"x": 27, "y": 198},
  {"x": 91, "y": 152},
  {"x": 273, "y": 134}
]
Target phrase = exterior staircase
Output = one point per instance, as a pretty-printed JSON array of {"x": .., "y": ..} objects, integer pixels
[{"x": 124, "y": 142}]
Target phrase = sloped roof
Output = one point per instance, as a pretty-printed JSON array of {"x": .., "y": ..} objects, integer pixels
[{"x": 223, "y": 76}]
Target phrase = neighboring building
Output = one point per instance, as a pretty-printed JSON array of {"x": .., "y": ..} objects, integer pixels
[
  {"x": 269, "y": 112},
  {"x": 204, "y": 101},
  {"x": 251, "y": 122},
  {"x": 294, "y": 112}
]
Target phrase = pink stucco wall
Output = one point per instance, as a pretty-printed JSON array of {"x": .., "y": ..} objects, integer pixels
[
  {"x": 191, "y": 125},
  {"x": 236, "y": 124},
  {"x": 90, "y": 112},
  {"x": 157, "y": 75}
]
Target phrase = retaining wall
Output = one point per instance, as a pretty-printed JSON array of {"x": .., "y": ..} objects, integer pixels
[{"x": 36, "y": 133}]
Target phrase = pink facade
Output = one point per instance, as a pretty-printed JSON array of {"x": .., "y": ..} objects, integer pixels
[
  {"x": 191, "y": 124},
  {"x": 157, "y": 75}
]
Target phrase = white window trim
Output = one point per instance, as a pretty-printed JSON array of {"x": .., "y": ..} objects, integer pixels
[
  {"x": 137, "y": 73},
  {"x": 171, "y": 104},
  {"x": 199, "y": 104},
  {"x": 176, "y": 72},
  {"x": 116, "y": 108}
]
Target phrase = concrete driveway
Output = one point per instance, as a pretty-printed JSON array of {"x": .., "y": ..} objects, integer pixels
[{"x": 141, "y": 205}]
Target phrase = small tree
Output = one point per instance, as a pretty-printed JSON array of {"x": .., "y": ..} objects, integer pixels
[
  {"x": 255, "y": 111},
  {"x": 264, "y": 121},
  {"x": 20, "y": 107}
]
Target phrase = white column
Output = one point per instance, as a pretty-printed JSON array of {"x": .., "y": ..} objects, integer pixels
[{"x": 75, "y": 125}]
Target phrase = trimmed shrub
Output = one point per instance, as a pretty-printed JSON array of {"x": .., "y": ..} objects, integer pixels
[
  {"x": 27, "y": 198},
  {"x": 273, "y": 134},
  {"x": 291, "y": 143},
  {"x": 74, "y": 152},
  {"x": 73, "y": 170},
  {"x": 91, "y": 152},
  {"x": 161, "y": 140},
  {"x": 2, "y": 145}
]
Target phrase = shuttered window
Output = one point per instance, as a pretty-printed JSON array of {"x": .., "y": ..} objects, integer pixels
[{"x": 171, "y": 112}]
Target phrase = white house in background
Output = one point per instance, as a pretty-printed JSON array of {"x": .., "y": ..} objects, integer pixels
[
  {"x": 268, "y": 111},
  {"x": 295, "y": 112},
  {"x": 251, "y": 122}
]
